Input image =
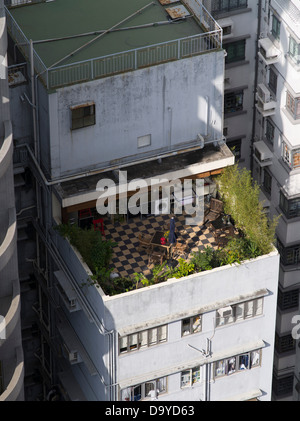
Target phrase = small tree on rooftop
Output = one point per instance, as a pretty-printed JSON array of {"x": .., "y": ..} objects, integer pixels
[{"x": 241, "y": 200}]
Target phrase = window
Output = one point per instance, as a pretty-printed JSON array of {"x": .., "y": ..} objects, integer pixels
[
  {"x": 144, "y": 141},
  {"x": 235, "y": 146},
  {"x": 275, "y": 27},
  {"x": 267, "y": 181},
  {"x": 240, "y": 311},
  {"x": 294, "y": 50},
  {"x": 237, "y": 363},
  {"x": 289, "y": 255},
  {"x": 83, "y": 116},
  {"x": 233, "y": 102},
  {"x": 228, "y": 5},
  {"x": 143, "y": 339},
  {"x": 290, "y": 208},
  {"x": 293, "y": 105},
  {"x": 190, "y": 377},
  {"x": 291, "y": 156},
  {"x": 191, "y": 325},
  {"x": 235, "y": 51},
  {"x": 284, "y": 343},
  {"x": 270, "y": 131},
  {"x": 288, "y": 299},
  {"x": 273, "y": 81},
  {"x": 283, "y": 386},
  {"x": 145, "y": 390}
]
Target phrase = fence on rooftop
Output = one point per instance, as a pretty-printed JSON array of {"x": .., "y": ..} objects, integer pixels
[{"x": 83, "y": 71}]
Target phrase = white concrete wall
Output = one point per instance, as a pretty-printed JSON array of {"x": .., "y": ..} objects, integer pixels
[
  {"x": 167, "y": 101},
  {"x": 171, "y": 301}
]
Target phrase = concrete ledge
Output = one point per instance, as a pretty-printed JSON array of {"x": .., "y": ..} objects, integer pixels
[
  {"x": 6, "y": 151},
  {"x": 15, "y": 386},
  {"x": 13, "y": 313},
  {"x": 9, "y": 243}
]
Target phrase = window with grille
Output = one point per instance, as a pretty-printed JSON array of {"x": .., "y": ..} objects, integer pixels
[
  {"x": 233, "y": 102},
  {"x": 284, "y": 343},
  {"x": 83, "y": 116},
  {"x": 275, "y": 27},
  {"x": 270, "y": 131},
  {"x": 290, "y": 207},
  {"x": 288, "y": 299},
  {"x": 293, "y": 105},
  {"x": 294, "y": 50},
  {"x": 273, "y": 81},
  {"x": 289, "y": 255},
  {"x": 235, "y": 51},
  {"x": 283, "y": 386},
  {"x": 222, "y": 6}
]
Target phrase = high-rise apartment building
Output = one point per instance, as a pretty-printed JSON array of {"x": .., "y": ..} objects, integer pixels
[
  {"x": 136, "y": 87},
  {"x": 270, "y": 58},
  {"x": 11, "y": 352}
]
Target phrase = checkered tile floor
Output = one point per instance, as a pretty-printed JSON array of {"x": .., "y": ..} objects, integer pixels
[{"x": 128, "y": 259}]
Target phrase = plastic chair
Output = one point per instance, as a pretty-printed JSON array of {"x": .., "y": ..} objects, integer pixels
[{"x": 99, "y": 225}]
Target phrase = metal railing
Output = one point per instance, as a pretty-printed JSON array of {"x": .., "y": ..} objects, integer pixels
[{"x": 83, "y": 71}]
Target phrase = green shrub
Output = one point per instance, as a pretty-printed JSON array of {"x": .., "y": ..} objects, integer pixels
[{"x": 240, "y": 195}]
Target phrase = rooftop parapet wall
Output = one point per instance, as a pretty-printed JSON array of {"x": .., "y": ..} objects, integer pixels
[{"x": 60, "y": 74}]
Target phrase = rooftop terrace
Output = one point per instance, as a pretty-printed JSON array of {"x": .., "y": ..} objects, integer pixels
[{"x": 85, "y": 40}]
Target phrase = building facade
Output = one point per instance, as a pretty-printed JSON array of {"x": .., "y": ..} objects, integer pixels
[
  {"x": 272, "y": 65},
  {"x": 11, "y": 351},
  {"x": 150, "y": 104}
]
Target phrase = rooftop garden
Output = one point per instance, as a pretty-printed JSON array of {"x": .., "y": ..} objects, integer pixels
[{"x": 240, "y": 196}]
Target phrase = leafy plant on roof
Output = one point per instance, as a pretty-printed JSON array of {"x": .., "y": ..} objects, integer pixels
[{"x": 240, "y": 194}]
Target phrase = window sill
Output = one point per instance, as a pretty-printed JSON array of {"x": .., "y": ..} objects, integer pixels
[
  {"x": 235, "y": 114},
  {"x": 236, "y": 64},
  {"x": 221, "y": 15}
]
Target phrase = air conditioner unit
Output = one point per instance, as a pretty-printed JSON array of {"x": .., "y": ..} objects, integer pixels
[
  {"x": 225, "y": 311},
  {"x": 72, "y": 356},
  {"x": 263, "y": 93},
  {"x": 162, "y": 206},
  {"x": 262, "y": 153}
]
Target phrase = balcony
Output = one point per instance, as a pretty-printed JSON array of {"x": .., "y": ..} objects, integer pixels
[
  {"x": 266, "y": 105},
  {"x": 268, "y": 53}
]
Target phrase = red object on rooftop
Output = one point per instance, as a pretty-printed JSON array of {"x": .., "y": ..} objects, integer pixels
[
  {"x": 85, "y": 213},
  {"x": 99, "y": 225}
]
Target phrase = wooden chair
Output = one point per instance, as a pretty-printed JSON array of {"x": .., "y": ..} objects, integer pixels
[
  {"x": 145, "y": 242},
  {"x": 179, "y": 249},
  {"x": 215, "y": 210},
  {"x": 156, "y": 256}
]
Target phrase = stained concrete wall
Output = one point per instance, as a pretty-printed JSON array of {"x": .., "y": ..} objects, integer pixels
[{"x": 172, "y": 102}]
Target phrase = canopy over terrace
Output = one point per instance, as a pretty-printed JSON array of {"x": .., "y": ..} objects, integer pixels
[{"x": 65, "y": 32}]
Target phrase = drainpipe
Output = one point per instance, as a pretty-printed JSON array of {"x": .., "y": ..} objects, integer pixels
[{"x": 259, "y": 5}]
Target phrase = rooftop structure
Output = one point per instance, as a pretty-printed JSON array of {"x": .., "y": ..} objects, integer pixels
[{"x": 137, "y": 34}]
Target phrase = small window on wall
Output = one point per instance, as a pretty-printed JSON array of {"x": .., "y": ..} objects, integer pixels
[
  {"x": 143, "y": 141},
  {"x": 83, "y": 116}
]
